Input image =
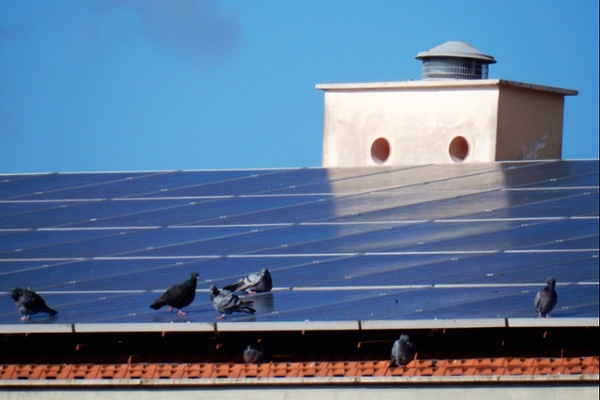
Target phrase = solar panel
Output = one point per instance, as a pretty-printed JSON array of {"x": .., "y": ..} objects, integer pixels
[{"x": 427, "y": 243}]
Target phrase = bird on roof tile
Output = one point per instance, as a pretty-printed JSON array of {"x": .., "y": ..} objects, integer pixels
[
  {"x": 178, "y": 296},
  {"x": 257, "y": 282},
  {"x": 403, "y": 351},
  {"x": 546, "y": 299},
  {"x": 30, "y": 303},
  {"x": 253, "y": 354}
]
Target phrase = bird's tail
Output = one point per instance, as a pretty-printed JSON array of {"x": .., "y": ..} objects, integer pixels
[
  {"x": 233, "y": 287},
  {"x": 51, "y": 311},
  {"x": 246, "y": 306},
  {"x": 157, "y": 304}
]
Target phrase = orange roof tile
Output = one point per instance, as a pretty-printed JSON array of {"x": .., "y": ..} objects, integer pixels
[{"x": 576, "y": 367}]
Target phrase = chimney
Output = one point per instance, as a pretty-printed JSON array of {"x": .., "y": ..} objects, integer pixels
[{"x": 455, "y": 114}]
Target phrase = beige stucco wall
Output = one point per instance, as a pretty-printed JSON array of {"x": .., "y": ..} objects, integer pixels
[
  {"x": 530, "y": 124},
  {"x": 495, "y": 120}
]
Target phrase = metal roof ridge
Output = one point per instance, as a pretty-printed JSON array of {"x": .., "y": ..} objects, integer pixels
[
  {"x": 299, "y": 326},
  {"x": 551, "y": 322},
  {"x": 167, "y": 171},
  {"x": 133, "y": 171}
]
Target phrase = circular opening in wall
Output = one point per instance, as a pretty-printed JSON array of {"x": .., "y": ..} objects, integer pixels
[
  {"x": 459, "y": 149},
  {"x": 380, "y": 151}
]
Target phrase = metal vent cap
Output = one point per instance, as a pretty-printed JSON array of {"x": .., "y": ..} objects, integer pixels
[{"x": 455, "y": 60}]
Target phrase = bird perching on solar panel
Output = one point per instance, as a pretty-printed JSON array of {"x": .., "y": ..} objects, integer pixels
[
  {"x": 178, "y": 296},
  {"x": 226, "y": 302},
  {"x": 257, "y": 282},
  {"x": 546, "y": 299},
  {"x": 30, "y": 303}
]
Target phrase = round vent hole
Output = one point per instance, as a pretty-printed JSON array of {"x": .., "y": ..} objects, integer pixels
[
  {"x": 459, "y": 149},
  {"x": 380, "y": 151}
]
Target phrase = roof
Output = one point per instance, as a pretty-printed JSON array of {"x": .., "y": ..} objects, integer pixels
[
  {"x": 337, "y": 372},
  {"x": 429, "y": 243},
  {"x": 363, "y": 252}
]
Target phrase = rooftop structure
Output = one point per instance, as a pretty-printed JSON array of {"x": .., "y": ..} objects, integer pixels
[{"x": 442, "y": 121}]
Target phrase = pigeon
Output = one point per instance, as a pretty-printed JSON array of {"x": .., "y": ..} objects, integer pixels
[
  {"x": 30, "y": 303},
  {"x": 227, "y": 302},
  {"x": 257, "y": 282},
  {"x": 253, "y": 354},
  {"x": 403, "y": 351},
  {"x": 178, "y": 296},
  {"x": 546, "y": 299}
]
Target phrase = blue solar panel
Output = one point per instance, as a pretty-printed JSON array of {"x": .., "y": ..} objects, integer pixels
[{"x": 418, "y": 242}]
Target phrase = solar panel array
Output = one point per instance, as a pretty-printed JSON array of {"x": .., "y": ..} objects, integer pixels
[{"x": 430, "y": 243}]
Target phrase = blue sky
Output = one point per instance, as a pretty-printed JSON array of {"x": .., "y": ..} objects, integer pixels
[{"x": 112, "y": 85}]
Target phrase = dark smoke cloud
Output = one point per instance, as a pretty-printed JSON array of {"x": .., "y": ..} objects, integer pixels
[
  {"x": 197, "y": 30},
  {"x": 201, "y": 31}
]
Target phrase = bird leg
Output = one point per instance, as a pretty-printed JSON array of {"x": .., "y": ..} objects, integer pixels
[
  {"x": 170, "y": 308},
  {"x": 181, "y": 312},
  {"x": 25, "y": 318},
  {"x": 221, "y": 316}
]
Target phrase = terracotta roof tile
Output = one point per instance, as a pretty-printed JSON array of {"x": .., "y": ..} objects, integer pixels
[{"x": 416, "y": 368}]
